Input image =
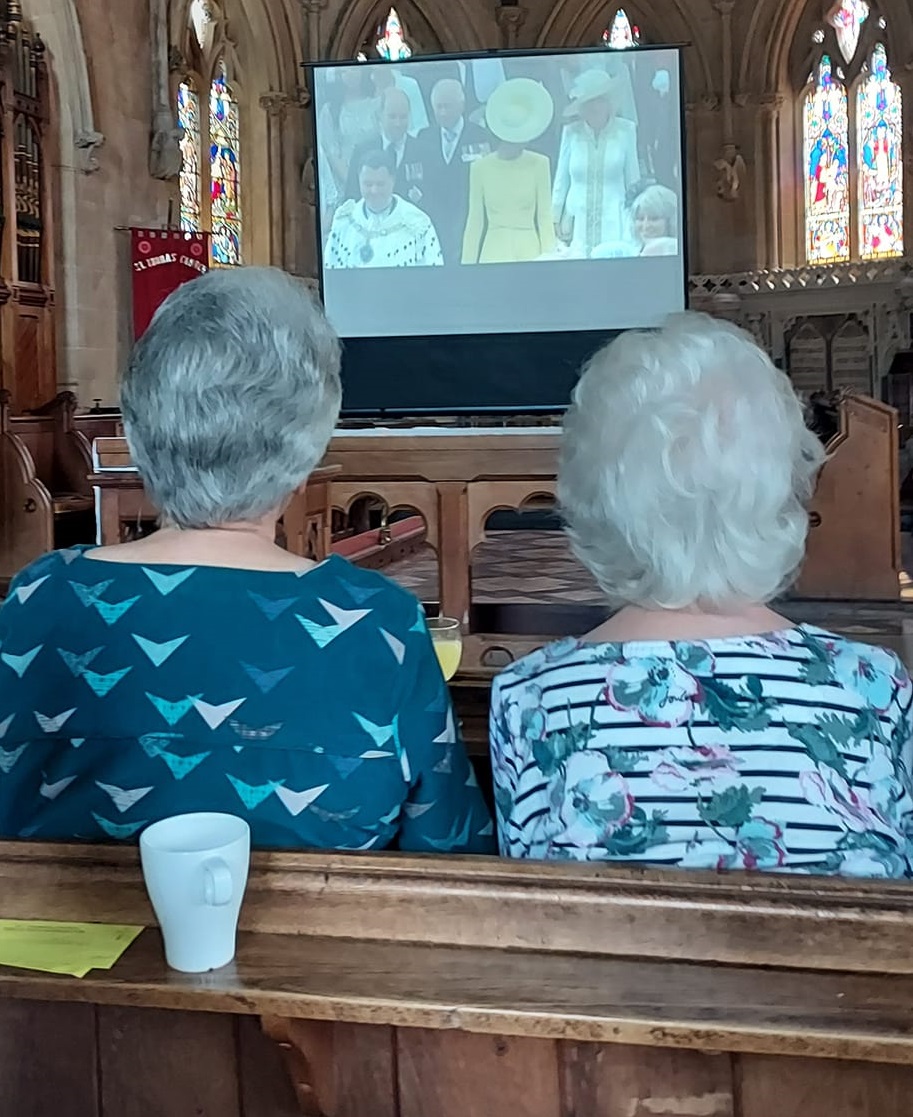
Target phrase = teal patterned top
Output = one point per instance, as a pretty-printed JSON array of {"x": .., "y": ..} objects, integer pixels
[{"x": 311, "y": 704}]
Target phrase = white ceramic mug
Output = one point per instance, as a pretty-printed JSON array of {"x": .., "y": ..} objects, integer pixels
[{"x": 195, "y": 867}]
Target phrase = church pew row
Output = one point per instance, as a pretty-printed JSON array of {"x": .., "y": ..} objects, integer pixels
[
  {"x": 45, "y": 496},
  {"x": 394, "y": 986}
]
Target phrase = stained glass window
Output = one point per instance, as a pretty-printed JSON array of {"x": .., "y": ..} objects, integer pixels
[
  {"x": 879, "y": 131},
  {"x": 224, "y": 173},
  {"x": 201, "y": 21},
  {"x": 189, "y": 120},
  {"x": 622, "y": 35},
  {"x": 847, "y": 19},
  {"x": 827, "y": 189},
  {"x": 391, "y": 43}
]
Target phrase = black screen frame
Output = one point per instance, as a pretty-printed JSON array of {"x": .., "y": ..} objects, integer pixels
[{"x": 577, "y": 346}]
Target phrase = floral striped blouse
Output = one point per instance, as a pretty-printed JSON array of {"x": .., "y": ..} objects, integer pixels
[{"x": 790, "y": 751}]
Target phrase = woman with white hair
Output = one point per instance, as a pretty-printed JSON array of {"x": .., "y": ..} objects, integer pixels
[
  {"x": 697, "y": 727},
  {"x": 597, "y": 166},
  {"x": 203, "y": 667}
]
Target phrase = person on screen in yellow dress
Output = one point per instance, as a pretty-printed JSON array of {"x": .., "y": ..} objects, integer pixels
[{"x": 510, "y": 191}]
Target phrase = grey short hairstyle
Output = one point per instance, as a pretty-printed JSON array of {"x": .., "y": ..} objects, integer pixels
[
  {"x": 231, "y": 396},
  {"x": 686, "y": 467}
]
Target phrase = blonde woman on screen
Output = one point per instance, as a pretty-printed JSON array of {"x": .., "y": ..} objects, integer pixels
[
  {"x": 654, "y": 227},
  {"x": 510, "y": 218}
]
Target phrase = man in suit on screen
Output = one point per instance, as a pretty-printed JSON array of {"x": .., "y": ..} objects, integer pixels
[
  {"x": 395, "y": 117},
  {"x": 446, "y": 150}
]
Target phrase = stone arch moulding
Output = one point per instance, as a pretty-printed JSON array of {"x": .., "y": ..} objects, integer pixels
[
  {"x": 270, "y": 32},
  {"x": 457, "y": 25},
  {"x": 57, "y": 21},
  {"x": 765, "y": 62},
  {"x": 580, "y": 23}
]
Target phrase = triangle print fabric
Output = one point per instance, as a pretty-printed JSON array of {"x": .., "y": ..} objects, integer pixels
[{"x": 312, "y": 706}]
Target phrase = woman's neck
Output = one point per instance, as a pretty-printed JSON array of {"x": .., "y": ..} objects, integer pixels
[
  {"x": 243, "y": 546},
  {"x": 632, "y": 623}
]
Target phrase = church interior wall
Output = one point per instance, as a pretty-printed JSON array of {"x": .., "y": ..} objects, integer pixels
[{"x": 743, "y": 66}]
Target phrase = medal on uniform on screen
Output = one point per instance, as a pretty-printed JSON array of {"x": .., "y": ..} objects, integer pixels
[{"x": 366, "y": 252}]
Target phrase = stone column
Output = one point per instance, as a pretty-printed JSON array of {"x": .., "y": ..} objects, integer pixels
[
  {"x": 771, "y": 181},
  {"x": 313, "y": 47},
  {"x": 730, "y": 166},
  {"x": 274, "y": 105},
  {"x": 165, "y": 142}
]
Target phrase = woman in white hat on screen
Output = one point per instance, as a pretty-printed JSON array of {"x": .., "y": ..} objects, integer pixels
[
  {"x": 597, "y": 166},
  {"x": 509, "y": 219}
]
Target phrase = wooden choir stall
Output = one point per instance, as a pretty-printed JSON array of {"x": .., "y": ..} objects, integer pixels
[
  {"x": 391, "y": 986},
  {"x": 45, "y": 496}
]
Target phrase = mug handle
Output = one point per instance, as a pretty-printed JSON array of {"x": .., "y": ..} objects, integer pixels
[{"x": 218, "y": 886}]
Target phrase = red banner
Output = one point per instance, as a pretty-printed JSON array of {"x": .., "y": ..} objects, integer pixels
[{"x": 163, "y": 259}]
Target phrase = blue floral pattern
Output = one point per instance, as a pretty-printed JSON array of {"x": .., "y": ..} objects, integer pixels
[{"x": 787, "y": 752}]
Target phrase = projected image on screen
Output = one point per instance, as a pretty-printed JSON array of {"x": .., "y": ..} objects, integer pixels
[{"x": 501, "y": 193}]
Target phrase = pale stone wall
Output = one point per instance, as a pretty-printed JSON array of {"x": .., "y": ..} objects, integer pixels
[
  {"x": 743, "y": 69},
  {"x": 102, "y": 87}
]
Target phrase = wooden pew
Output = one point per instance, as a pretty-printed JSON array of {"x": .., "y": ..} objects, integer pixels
[
  {"x": 123, "y": 503},
  {"x": 854, "y": 542},
  {"x": 468, "y": 987},
  {"x": 47, "y": 499},
  {"x": 27, "y": 508}
]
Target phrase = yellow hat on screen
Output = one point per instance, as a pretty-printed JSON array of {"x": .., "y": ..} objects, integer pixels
[{"x": 519, "y": 111}]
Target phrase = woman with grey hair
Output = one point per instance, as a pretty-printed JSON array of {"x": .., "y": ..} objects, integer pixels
[
  {"x": 697, "y": 727},
  {"x": 204, "y": 668}
]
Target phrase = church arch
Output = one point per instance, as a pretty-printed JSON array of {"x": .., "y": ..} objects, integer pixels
[
  {"x": 581, "y": 23},
  {"x": 57, "y": 21},
  {"x": 457, "y": 26}
]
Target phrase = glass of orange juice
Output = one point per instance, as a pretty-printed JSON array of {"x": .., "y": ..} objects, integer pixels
[{"x": 448, "y": 644}]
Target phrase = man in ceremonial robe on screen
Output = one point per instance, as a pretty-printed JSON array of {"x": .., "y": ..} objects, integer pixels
[{"x": 381, "y": 229}]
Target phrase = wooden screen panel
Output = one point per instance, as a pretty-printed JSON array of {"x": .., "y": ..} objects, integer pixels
[
  {"x": 598, "y": 1080},
  {"x": 47, "y": 1060},
  {"x": 28, "y": 386},
  {"x": 455, "y": 1074},
  {"x": 774, "y": 1086},
  {"x": 155, "y": 1061}
]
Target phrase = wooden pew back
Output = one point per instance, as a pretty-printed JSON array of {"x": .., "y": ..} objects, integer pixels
[
  {"x": 46, "y": 461},
  {"x": 26, "y": 505},
  {"x": 399, "y": 987},
  {"x": 61, "y": 453},
  {"x": 853, "y": 548},
  {"x": 620, "y": 911}
]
